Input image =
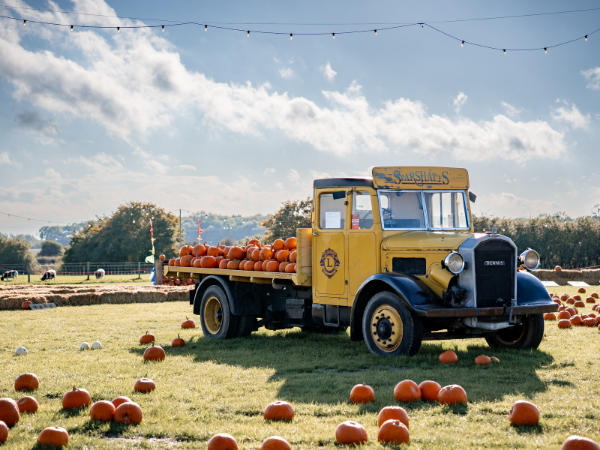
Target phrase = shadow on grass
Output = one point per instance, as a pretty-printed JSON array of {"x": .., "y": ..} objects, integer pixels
[{"x": 85, "y": 411}]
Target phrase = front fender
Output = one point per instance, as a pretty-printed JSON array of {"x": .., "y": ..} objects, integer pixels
[
  {"x": 212, "y": 280},
  {"x": 530, "y": 290}
]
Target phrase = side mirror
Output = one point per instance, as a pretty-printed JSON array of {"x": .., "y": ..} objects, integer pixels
[
  {"x": 472, "y": 197},
  {"x": 338, "y": 195}
]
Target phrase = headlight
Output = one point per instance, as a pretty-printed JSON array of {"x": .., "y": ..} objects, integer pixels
[
  {"x": 530, "y": 259},
  {"x": 454, "y": 263}
]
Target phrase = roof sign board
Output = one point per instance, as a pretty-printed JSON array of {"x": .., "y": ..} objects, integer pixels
[{"x": 438, "y": 178}]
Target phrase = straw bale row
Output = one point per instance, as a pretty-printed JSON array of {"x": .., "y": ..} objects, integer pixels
[
  {"x": 590, "y": 276},
  {"x": 11, "y": 297}
]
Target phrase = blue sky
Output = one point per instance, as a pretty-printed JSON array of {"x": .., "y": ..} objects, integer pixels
[{"x": 221, "y": 122}]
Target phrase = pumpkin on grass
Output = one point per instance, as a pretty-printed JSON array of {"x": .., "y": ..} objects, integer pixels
[
  {"x": 429, "y": 391},
  {"x": 53, "y": 436},
  {"x": 275, "y": 443},
  {"x": 483, "y": 360},
  {"x": 350, "y": 433},
  {"x": 144, "y": 385},
  {"x": 27, "y": 405},
  {"x": 448, "y": 357},
  {"x": 178, "y": 342},
  {"x": 577, "y": 297},
  {"x": 279, "y": 410},
  {"x": 222, "y": 441},
  {"x": 393, "y": 432},
  {"x": 564, "y": 323},
  {"x": 579, "y": 443},
  {"x": 154, "y": 353},
  {"x": 25, "y": 304},
  {"x": 452, "y": 395},
  {"x": 147, "y": 338},
  {"x": 407, "y": 391},
  {"x": 579, "y": 304},
  {"x": 27, "y": 382},
  {"x": 576, "y": 320},
  {"x": 102, "y": 411},
  {"x": 564, "y": 315},
  {"x": 590, "y": 300},
  {"x": 524, "y": 413},
  {"x": 361, "y": 393},
  {"x": 589, "y": 322},
  {"x": 392, "y": 413},
  {"x": 595, "y": 295},
  {"x": 188, "y": 323},
  {"x": 9, "y": 411},
  {"x": 558, "y": 268},
  {"x": 120, "y": 400},
  {"x": 128, "y": 413},
  {"x": 549, "y": 316},
  {"x": 77, "y": 398},
  {"x": 3, "y": 432},
  {"x": 564, "y": 297}
]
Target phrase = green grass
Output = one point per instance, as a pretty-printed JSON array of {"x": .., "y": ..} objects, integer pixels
[
  {"x": 80, "y": 279},
  {"x": 212, "y": 386}
]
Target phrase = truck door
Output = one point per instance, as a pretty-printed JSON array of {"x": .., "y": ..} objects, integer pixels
[{"x": 329, "y": 243}]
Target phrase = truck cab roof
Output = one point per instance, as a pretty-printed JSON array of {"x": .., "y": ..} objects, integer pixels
[{"x": 343, "y": 182}]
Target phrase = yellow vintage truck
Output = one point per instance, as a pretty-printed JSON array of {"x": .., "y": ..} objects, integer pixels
[{"x": 394, "y": 258}]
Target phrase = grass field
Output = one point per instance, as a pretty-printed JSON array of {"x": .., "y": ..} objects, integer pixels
[
  {"x": 212, "y": 386},
  {"x": 81, "y": 279}
]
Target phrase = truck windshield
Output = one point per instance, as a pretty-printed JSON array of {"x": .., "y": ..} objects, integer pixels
[{"x": 413, "y": 210}]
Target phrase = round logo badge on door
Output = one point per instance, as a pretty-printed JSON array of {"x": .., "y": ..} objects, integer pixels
[{"x": 329, "y": 262}]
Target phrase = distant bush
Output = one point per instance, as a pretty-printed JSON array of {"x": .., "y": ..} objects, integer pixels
[
  {"x": 51, "y": 248},
  {"x": 16, "y": 251}
]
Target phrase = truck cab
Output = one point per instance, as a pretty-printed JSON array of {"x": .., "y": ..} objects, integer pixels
[{"x": 394, "y": 258}]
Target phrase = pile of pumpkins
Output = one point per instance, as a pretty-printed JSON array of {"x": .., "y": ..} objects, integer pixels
[
  {"x": 569, "y": 316},
  {"x": 280, "y": 256}
]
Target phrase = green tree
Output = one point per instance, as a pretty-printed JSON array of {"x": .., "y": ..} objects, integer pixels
[
  {"x": 31, "y": 240},
  {"x": 125, "y": 236},
  {"x": 51, "y": 248},
  {"x": 16, "y": 251},
  {"x": 60, "y": 234},
  {"x": 291, "y": 216}
]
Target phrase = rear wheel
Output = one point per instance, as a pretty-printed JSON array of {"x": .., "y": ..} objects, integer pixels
[
  {"x": 215, "y": 316},
  {"x": 389, "y": 328},
  {"x": 528, "y": 334}
]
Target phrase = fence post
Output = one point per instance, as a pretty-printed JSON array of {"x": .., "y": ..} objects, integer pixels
[
  {"x": 28, "y": 277},
  {"x": 158, "y": 272},
  {"x": 139, "y": 270},
  {"x": 88, "y": 271}
]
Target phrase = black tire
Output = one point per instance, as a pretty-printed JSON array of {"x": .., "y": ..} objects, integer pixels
[
  {"x": 216, "y": 319},
  {"x": 247, "y": 324},
  {"x": 528, "y": 334},
  {"x": 379, "y": 330}
]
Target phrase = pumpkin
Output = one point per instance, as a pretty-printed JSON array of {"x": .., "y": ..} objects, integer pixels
[
  {"x": 589, "y": 322},
  {"x": 54, "y": 436},
  {"x": 186, "y": 261},
  {"x": 564, "y": 297},
  {"x": 452, "y": 395},
  {"x": 293, "y": 256},
  {"x": 255, "y": 254},
  {"x": 483, "y": 360},
  {"x": 147, "y": 338},
  {"x": 558, "y": 268},
  {"x": 494, "y": 359},
  {"x": 9, "y": 411},
  {"x": 592, "y": 315},
  {"x": 407, "y": 391},
  {"x": 222, "y": 441},
  {"x": 572, "y": 311},
  {"x": 577, "y": 297},
  {"x": 208, "y": 262},
  {"x": 282, "y": 255},
  {"x": 77, "y": 398},
  {"x": 255, "y": 242},
  {"x": 579, "y": 443},
  {"x": 279, "y": 244},
  {"x": 579, "y": 304},
  {"x": 197, "y": 263},
  {"x": 184, "y": 251},
  {"x": 549, "y": 316},
  {"x": 290, "y": 243},
  {"x": 561, "y": 308},
  {"x": 279, "y": 410},
  {"x": 27, "y": 405},
  {"x": 242, "y": 264},
  {"x": 154, "y": 353},
  {"x": 144, "y": 385},
  {"x": 102, "y": 411},
  {"x": 120, "y": 400},
  {"x": 96, "y": 345},
  {"x": 265, "y": 253},
  {"x": 199, "y": 250},
  {"x": 233, "y": 264},
  {"x": 350, "y": 433},
  {"x": 290, "y": 268},
  {"x": 576, "y": 320},
  {"x": 448, "y": 357},
  {"x": 3, "y": 432},
  {"x": 595, "y": 295},
  {"x": 283, "y": 265},
  {"x": 590, "y": 300},
  {"x": 581, "y": 290},
  {"x": 557, "y": 301},
  {"x": 162, "y": 257},
  {"x": 571, "y": 301},
  {"x": 177, "y": 262},
  {"x": 27, "y": 382},
  {"x": 393, "y": 432},
  {"x": 564, "y": 315},
  {"x": 258, "y": 266},
  {"x": 361, "y": 393},
  {"x": 524, "y": 413},
  {"x": 275, "y": 443},
  {"x": 223, "y": 263},
  {"x": 250, "y": 250},
  {"x": 392, "y": 413},
  {"x": 214, "y": 251},
  {"x": 128, "y": 413},
  {"x": 249, "y": 265},
  {"x": 20, "y": 351},
  {"x": 564, "y": 323},
  {"x": 25, "y": 304},
  {"x": 429, "y": 391},
  {"x": 236, "y": 253},
  {"x": 171, "y": 262},
  {"x": 272, "y": 266},
  {"x": 178, "y": 342}
]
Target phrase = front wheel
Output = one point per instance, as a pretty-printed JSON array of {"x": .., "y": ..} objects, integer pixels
[
  {"x": 216, "y": 319},
  {"x": 528, "y": 334},
  {"x": 389, "y": 328}
]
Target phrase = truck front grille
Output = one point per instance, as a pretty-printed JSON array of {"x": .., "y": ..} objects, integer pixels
[{"x": 495, "y": 271}]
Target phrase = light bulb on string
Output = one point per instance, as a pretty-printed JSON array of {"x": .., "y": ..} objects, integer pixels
[
  {"x": 119, "y": 30},
  {"x": 248, "y": 35},
  {"x": 24, "y": 23},
  {"x": 462, "y": 44},
  {"x": 545, "y": 50},
  {"x": 586, "y": 38},
  {"x": 71, "y": 28},
  {"x": 163, "y": 28},
  {"x": 291, "y": 36},
  {"x": 505, "y": 51},
  {"x": 375, "y": 32},
  {"x": 333, "y": 34},
  {"x": 205, "y": 27}
]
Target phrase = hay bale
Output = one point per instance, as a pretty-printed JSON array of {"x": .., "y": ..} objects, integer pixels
[{"x": 590, "y": 276}]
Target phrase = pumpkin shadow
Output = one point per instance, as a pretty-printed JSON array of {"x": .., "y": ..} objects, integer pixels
[
  {"x": 536, "y": 429},
  {"x": 75, "y": 412}
]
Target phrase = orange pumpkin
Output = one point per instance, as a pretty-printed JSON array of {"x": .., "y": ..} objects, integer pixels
[
  {"x": 9, "y": 411},
  {"x": 147, "y": 338},
  {"x": 236, "y": 253},
  {"x": 256, "y": 255},
  {"x": 448, "y": 357},
  {"x": 524, "y": 413},
  {"x": 579, "y": 304},
  {"x": 120, "y": 400},
  {"x": 77, "y": 398},
  {"x": 581, "y": 290},
  {"x": 222, "y": 441},
  {"x": 242, "y": 264},
  {"x": 351, "y": 433},
  {"x": 290, "y": 268},
  {"x": 393, "y": 432},
  {"x": 361, "y": 393},
  {"x": 282, "y": 255},
  {"x": 392, "y": 413},
  {"x": 576, "y": 320},
  {"x": 178, "y": 342},
  {"x": 279, "y": 244},
  {"x": 558, "y": 268},
  {"x": 199, "y": 250},
  {"x": 223, "y": 263},
  {"x": 171, "y": 262},
  {"x": 549, "y": 316},
  {"x": 265, "y": 254},
  {"x": 589, "y": 322},
  {"x": 185, "y": 261},
  {"x": 25, "y": 304},
  {"x": 197, "y": 262},
  {"x": 214, "y": 251},
  {"x": 290, "y": 243},
  {"x": 54, "y": 436},
  {"x": 283, "y": 265},
  {"x": 275, "y": 443},
  {"x": 293, "y": 255},
  {"x": 557, "y": 301},
  {"x": 208, "y": 262},
  {"x": 27, "y": 405},
  {"x": 279, "y": 410},
  {"x": 595, "y": 295},
  {"x": 3, "y": 432},
  {"x": 564, "y": 315},
  {"x": 590, "y": 300},
  {"x": 452, "y": 395},
  {"x": 258, "y": 266},
  {"x": 571, "y": 301},
  {"x": 102, "y": 411},
  {"x": 254, "y": 242},
  {"x": 183, "y": 251},
  {"x": 144, "y": 385},
  {"x": 233, "y": 264},
  {"x": 482, "y": 360},
  {"x": 572, "y": 311},
  {"x": 128, "y": 413},
  {"x": 429, "y": 391},
  {"x": 407, "y": 391},
  {"x": 561, "y": 308},
  {"x": 272, "y": 266},
  {"x": 154, "y": 353},
  {"x": 579, "y": 443},
  {"x": 577, "y": 297},
  {"x": 564, "y": 323},
  {"x": 27, "y": 382},
  {"x": 249, "y": 265},
  {"x": 177, "y": 262},
  {"x": 564, "y": 297}
]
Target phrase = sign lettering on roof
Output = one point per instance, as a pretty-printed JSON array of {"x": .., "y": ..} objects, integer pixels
[{"x": 435, "y": 178}]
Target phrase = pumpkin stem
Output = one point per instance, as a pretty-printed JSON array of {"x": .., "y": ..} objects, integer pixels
[{"x": 74, "y": 388}]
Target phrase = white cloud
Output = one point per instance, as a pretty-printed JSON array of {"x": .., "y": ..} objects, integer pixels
[
  {"x": 510, "y": 205},
  {"x": 5, "y": 159},
  {"x": 593, "y": 77},
  {"x": 293, "y": 176},
  {"x": 459, "y": 101},
  {"x": 328, "y": 72},
  {"x": 186, "y": 167},
  {"x": 511, "y": 110},
  {"x": 286, "y": 73},
  {"x": 269, "y": 171},
  {"x": 572, "y": 117}
]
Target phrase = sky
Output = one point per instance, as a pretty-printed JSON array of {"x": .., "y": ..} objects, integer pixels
[{"x": 222, "y": 122}]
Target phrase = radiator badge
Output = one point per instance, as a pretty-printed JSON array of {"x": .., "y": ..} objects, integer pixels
[
  {"x": 494, "y": 263},
  {"x": 329, "y": 263}
]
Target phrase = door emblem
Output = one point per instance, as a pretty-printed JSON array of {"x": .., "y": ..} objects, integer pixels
[{"x": 329, "y": 263}]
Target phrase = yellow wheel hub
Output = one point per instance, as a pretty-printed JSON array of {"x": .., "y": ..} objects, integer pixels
[
  {"x": 213, "y": 315},
  {"x": 387, "y": 328}
]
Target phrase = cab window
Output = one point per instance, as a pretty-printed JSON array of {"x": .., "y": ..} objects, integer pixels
[
  {"x": 332, "y": 211},
  {"x": 362, "y": 212},
  {"x": 401, "y": 210},
  {"x": 446, "y": 209}
]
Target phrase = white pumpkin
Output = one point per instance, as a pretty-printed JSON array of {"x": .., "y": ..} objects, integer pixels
[
  {"x": 20, "y": 351},
  {"x": 84, "y": 346},
  {"x": 96, "y": 345}
]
